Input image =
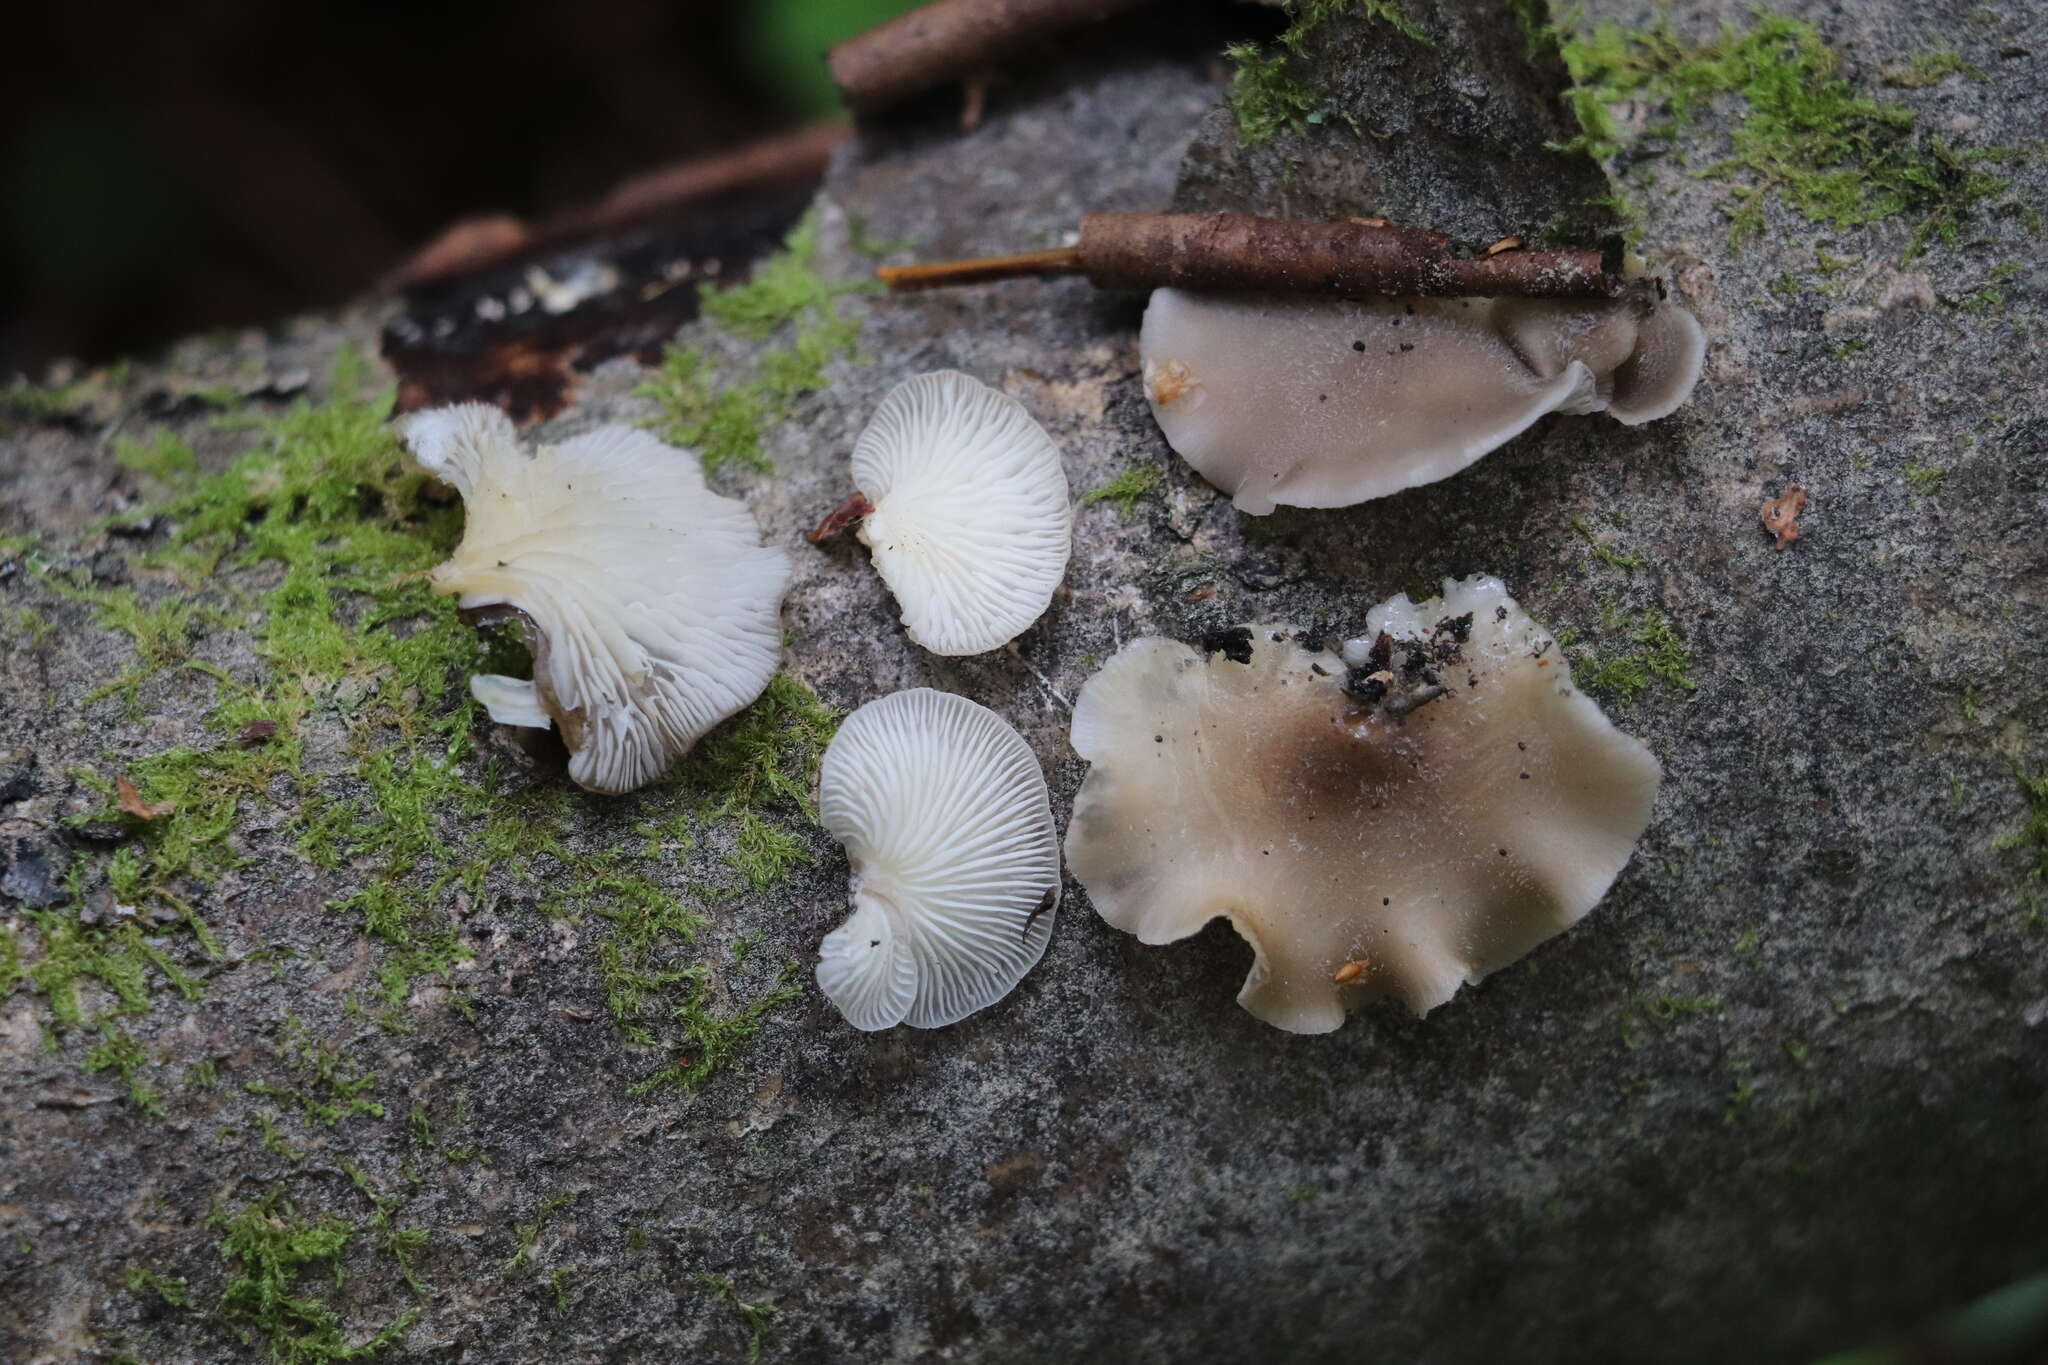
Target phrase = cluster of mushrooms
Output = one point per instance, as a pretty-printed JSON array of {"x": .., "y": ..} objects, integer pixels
[{"x": 1390, "y": 815}]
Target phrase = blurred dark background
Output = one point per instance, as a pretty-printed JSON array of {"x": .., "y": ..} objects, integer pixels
[{"x": 177, "y": 168}]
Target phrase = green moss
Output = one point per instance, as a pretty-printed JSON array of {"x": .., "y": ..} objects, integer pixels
[
  {"x": 559, "y": 1281},
  {"x": 724, "y": 426},
  {"x": 1924, "y": 479},
  {"x": 116, "y": 956},
  {"x": 1664, "y": 1008},
  {"x": 1607, "y": 554},
  {"x": 1532, "y": 17},
  {"x": 1804, "y": 138},
  {"x": 1663, "y": 653},
  {"x": 348, "y": 629},
  {"x": 1923, "y": 69},
  {"x": 1268, "y": 93},
  {"x": 1266, "y": 96},
  {"x": 1658, "y": 655},
  {"x": 164, "y": 459},
  {"x": 762, "y": 763},
  {"x": 755, "y": 1318},
  {"x": 780, "y": 290},
  {"x": 26, "y": 629},
  {"x": 2031, "y": 838},
  {"x": 271, "y": 1137},
  {"x": 142, "y": 1281},
  {"x": 348, "y": 638},
  {"x": 706, "y": 1038},
  {"x": 786, "y": 296},
  {"x": 161, "y": 634},
  {"x": 326, "y": 1088},
  {"x": 38, "y": 403},
  {"x": 120, "y": 1053},
  {"x": 763, "y": 854},
  {"x": 867, "y": 244},
  {"x": 12, "y": 972},
  {"x": 1741, "y": 1094},
  {"x": 1123, "y": 490},
  {"x": 525, "y": 1236},
  {"x": 273, "y": 1257}
]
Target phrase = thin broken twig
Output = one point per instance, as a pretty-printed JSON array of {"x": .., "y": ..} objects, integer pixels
[
  {"x": 951, "y": 41},
  {"x": 1231, "y": 252}
]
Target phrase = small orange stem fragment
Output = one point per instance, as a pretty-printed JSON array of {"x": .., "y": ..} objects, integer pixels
[
  {"x": 839, "y": 518},
  {"x": 1065, "y": 260}
]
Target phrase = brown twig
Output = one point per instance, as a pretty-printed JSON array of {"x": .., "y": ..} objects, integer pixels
[
  {"x": 483, "y": 243},
  {"x": 951, "y": 41},
  {"x": 1230, "y": 252}
]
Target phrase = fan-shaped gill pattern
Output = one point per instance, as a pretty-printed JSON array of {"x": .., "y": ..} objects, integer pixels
[
  {"x": 656, "y": 606},
  {"x": 943, "y": 811},
  {"x": 972, "y": 527}
]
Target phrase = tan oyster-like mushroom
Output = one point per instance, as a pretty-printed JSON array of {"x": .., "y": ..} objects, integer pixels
[
  {"x": 1392, "y": 820},
  {"x": 943, "y": 811},
  {"x": 1325, "y": 403},
  {"x": 968, "y": 515},
  {"x": 650, "y": 604}
]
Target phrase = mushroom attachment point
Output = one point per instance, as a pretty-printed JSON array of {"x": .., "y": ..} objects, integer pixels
[
  {"x": 1326, "y": 403},
  {"x": 1365, "y": 843},
  {"x": 650, "y": 604},
  {"x": 943, "y": 811},
  {"x": 967, "y": 511}
]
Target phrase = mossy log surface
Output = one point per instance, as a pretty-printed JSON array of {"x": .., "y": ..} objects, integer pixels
[{"x": 345, "y": 1028}]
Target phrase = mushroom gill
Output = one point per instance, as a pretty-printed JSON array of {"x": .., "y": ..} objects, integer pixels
[
  {"x": 1411, "y": 813},
  {"x": 968, "y": 517},
  {"x": 650, "y": 604},
  {"x": 955, "y": 864},
  {"x": 1326, "y": 402}
]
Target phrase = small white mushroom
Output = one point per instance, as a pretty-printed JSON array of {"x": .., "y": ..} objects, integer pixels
[
  {"x": 955, "y": 863},
  {"x": 650, "y": 604},
  {"x": 1325, "y": 402},
  {"x": 969, "y": 519},
  {"x": 1392, "y": 820}
]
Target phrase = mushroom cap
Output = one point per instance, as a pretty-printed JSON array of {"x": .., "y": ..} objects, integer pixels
[
  {"x": 955, "y": 862},
  {"x": 1329, "y": 402},
  {"x": 971, "y": 526},
  {"x": 1428, "y": 850},
  {"x": 652, "y": 607}
]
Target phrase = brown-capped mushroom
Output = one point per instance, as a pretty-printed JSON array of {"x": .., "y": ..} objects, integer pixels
[
  {"x": 1395, "y": 818},
  {"x": 1324, "y": 403}
]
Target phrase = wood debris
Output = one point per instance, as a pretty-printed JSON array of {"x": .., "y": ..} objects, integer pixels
[
  {"x": 131, "y": 803},
  {"x": 1781, "y": 514}
]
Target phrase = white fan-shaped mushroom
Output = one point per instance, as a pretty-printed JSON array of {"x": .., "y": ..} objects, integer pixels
[
  {"x": 955, "y": 864},
  {"x": 1326, "y": 402},
  {"x": 649, "y": 602},
  {"x": 969, "y": 523},
  {"x": 1397, "y": 819}
]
